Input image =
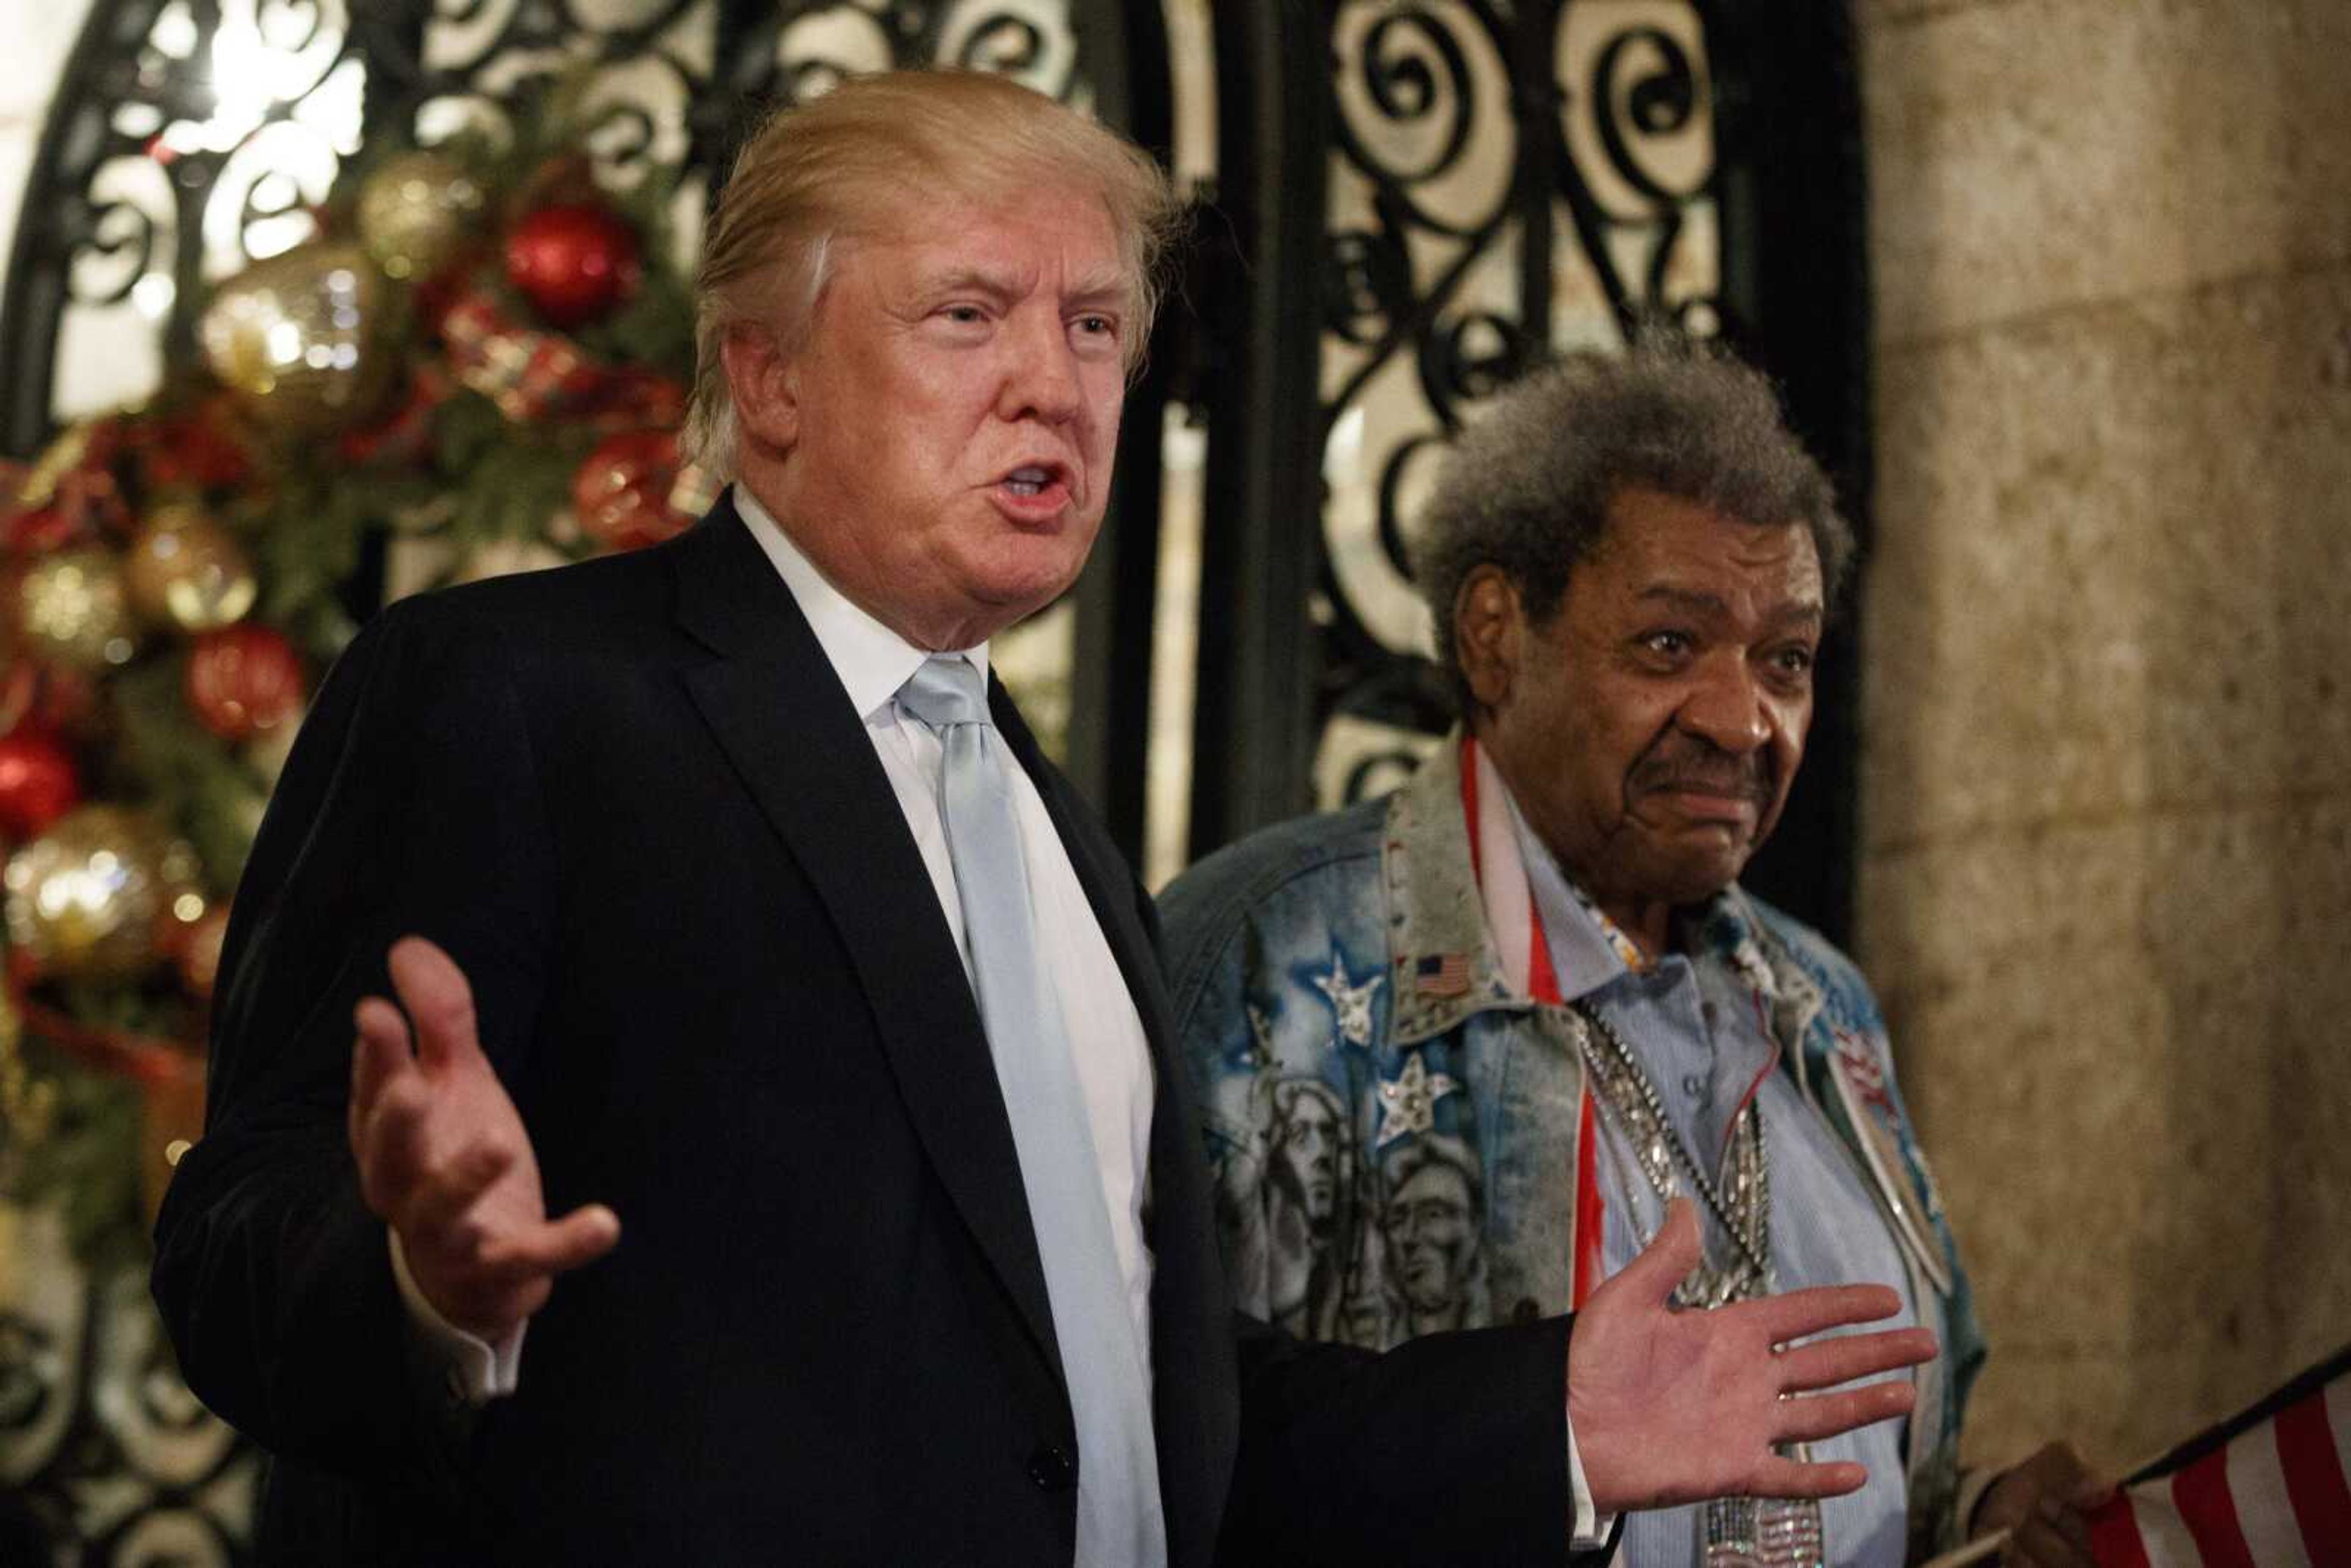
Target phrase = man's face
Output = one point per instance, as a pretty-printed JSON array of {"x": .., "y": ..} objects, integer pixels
[
  {"x": 1308, "y": 1157},
  {"x": 1429, "y": 1227},
  {"x": 1651, "y": 728},
  {"x": 940, "y": 445}
]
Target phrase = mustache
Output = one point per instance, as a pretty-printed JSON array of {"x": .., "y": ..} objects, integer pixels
[{"x": 1679, "y": 761}]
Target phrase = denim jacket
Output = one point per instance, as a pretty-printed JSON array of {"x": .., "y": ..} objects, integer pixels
[{"x": 1393, "y": 1127}]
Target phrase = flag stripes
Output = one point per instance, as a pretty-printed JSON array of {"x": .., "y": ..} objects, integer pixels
[
  {"x": 2265, "y": 1490},
  {"x": 2264, "y": 1507},
  {"x": 2167, "y": 1541},
  {"x": 2116, "y": 1540},
  {"x": 2201, "y": 1492},
  {"x": 2312, "y": 1443}
]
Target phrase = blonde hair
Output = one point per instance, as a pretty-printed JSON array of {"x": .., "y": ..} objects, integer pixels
[{"x": 869, "y": 150}]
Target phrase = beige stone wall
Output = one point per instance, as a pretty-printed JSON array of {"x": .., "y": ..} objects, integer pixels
[{"x": 2106, "y": 871}]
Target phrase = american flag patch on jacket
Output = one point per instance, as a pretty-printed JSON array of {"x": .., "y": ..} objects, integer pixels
[{"x": 1445, "y": 975}]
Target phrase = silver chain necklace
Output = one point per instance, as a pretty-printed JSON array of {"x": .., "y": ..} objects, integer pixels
[
  {"x": 1734, "y": 1531},
  {"x": 1744, "y": 1214}
]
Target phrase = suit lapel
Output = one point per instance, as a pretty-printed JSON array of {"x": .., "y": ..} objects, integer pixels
[{"x": 777, "y": 711}]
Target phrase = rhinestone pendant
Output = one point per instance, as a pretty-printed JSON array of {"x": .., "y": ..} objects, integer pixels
[{"x": 1762, "y": 1533}]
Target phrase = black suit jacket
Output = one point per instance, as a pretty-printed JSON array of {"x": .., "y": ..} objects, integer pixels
[{"x": 631, "y": 800}]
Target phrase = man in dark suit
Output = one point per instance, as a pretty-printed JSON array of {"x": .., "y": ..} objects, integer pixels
[{"x": 703, "y": 939}]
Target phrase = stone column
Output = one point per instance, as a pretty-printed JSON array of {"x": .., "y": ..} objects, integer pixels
[{"x": 2106, "y": 861}]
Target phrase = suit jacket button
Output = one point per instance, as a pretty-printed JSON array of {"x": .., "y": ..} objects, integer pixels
[{"x": 1053, "y": 1469}]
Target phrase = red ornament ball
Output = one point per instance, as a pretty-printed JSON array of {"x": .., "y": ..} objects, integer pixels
[
  {"x": 621, "y": 494},
  {"x": 575, "y": 262},
  {"x": 244, "y": 680},
  {"x": 38, "y": 784}
]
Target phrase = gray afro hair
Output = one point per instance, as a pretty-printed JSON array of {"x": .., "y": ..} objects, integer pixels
[{"x": 1527, "y": 488}]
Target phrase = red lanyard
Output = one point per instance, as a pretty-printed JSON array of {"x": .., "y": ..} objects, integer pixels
[{"x": 1542, "y": 986}]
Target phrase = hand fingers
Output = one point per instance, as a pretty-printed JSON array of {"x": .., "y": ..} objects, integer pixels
[
  {"x": 1824, "y": 1364},
  {"x": 2069, "y": 1522},
  {"x": 390, "y": 1145},
  {"x": 442, "y": 1198},
  {"x": 1802, "y": 1313},
  {"x": 1667, "y": 1260},
  {"x": 1780, "y": 1477},
  {"x": 2090, "y": 1492},
  {"x": 1816, "y": 1415},
  {"x": 436, "y": 994},
  {"x": 379, "y": 1053},
  {"x": 2050, "y": 1509},
  {"x": 583, "y": 1235},
  {"x": 2037, "y": 1542},
  {"x": 2069, "y": 1478}
]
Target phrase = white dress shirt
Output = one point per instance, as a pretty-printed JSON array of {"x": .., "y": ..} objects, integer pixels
[{"x": 1113, "y": 1058}]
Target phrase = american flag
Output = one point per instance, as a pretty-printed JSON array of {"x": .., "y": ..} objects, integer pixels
[
  {"x": 1443, "y": 976},
  {"x": 2265, "y": 1490}
]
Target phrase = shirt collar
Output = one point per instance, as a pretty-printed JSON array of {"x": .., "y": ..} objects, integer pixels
[
  {"x": 1587, "y": 950},
  {"x": 871, "y": 660}
]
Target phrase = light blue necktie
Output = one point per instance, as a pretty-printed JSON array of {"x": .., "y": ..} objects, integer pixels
[{"x": 1119, "y": 1519}]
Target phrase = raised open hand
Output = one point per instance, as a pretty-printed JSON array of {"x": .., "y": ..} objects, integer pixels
[
  {"x": 1672, "y": 1406},
  {"x": 445, "y": 1159}
]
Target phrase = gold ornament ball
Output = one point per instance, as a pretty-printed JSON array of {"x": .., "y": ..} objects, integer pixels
[
  {"x": 414, "y": 213},
  {"x": 72, "y": 608},
  {"x": 295, "y": 337},
  {"x": 187, "y": 572},
  {"x": 87, "y": 898}
]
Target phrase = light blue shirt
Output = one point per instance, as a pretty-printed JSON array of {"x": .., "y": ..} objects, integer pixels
[{"x": 1698, "y": 1030}]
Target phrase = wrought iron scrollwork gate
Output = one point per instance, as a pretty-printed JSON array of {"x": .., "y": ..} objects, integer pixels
[{"x": 1472, "y": 183}]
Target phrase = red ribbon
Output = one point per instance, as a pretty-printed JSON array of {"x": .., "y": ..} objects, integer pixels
[
  {"x": 144, "y": 1057},
  {"x": 534, "y": 374}
]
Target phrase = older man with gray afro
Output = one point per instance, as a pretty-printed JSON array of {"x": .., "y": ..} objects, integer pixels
[
  {"x": 1537, "y": 958},
  {"x": 1528, "y": 486}
]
